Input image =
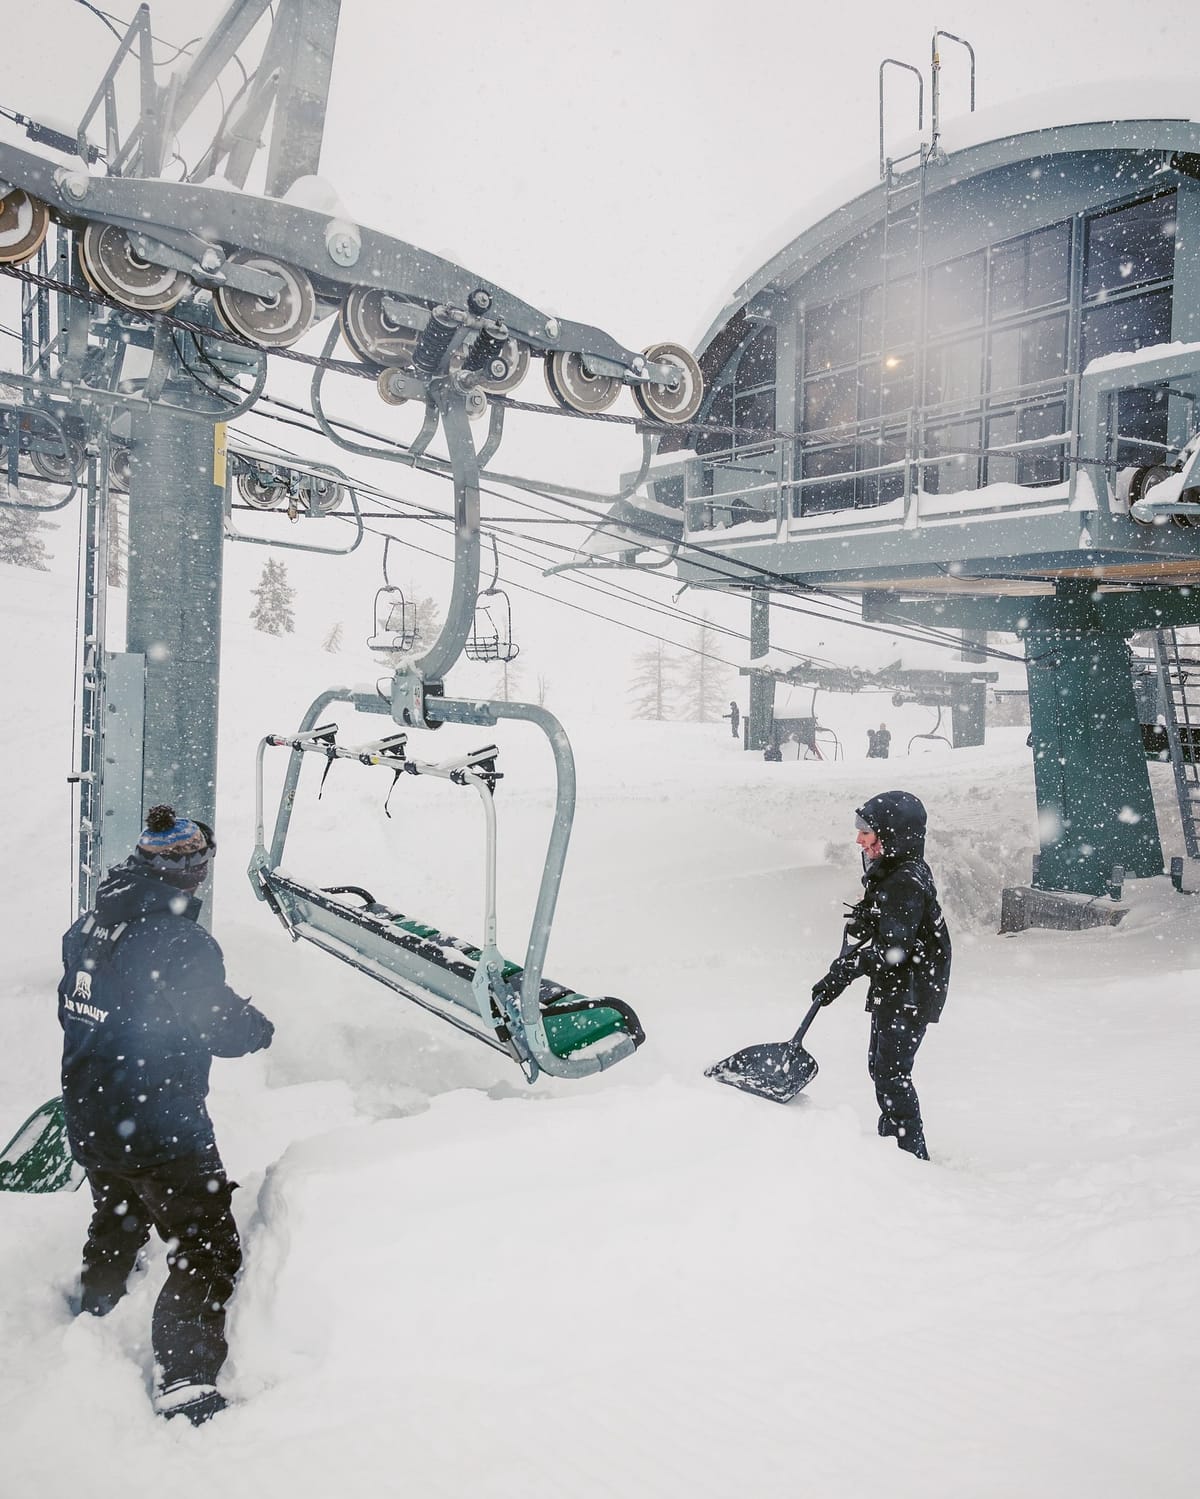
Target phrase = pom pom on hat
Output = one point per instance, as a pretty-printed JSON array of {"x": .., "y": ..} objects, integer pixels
[{"x": 166, "y": 835}]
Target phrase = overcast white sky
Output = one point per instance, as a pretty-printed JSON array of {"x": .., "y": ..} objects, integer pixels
[{"x": 623, "y": 163}]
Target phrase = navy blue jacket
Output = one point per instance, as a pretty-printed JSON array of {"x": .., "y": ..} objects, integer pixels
[
  {"x": 902, "y": 943},
  {"x": 144, "y": 1008}
]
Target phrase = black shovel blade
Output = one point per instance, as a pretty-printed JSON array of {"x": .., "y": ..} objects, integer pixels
[{"x": 774, "y": 1069}]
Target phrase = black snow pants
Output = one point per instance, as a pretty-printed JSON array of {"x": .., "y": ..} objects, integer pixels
[
  {"x": 186, "y": 1202},
  {"x": 896, "y": 1036}
]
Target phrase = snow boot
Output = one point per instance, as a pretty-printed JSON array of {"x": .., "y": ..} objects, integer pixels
[
  {"x": 198, "y": 1402},
  {"x": 912, "y": 1140}
]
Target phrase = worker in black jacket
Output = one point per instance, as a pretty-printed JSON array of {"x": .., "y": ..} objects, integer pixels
[
  {"x": 897, "y": 937},
  {"x": 144, "y": 1008}
]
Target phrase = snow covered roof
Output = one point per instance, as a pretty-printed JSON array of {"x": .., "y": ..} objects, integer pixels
[{"x": 1129, "y": 114}]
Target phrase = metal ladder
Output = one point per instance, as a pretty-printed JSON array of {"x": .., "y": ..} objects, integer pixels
[
  {"x": 1178, "y": 661},
  {"x": 904, "y": 220}
]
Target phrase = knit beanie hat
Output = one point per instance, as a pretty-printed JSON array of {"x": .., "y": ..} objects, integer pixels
[{"x": 175, "y": 848}]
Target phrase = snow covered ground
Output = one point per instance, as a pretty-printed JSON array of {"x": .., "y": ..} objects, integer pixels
[{"x": 642, "y": 1284}]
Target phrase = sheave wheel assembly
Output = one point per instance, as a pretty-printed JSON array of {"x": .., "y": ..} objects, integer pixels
[
  {"x": 677, "y": 403},
  {"x": 572, "y": 386},
  {"x": 23, "y": 225},
  {"x": 115, "y": 269},
  {"x": 274, "y": 322},
  {"x": 373, "y": 335}
]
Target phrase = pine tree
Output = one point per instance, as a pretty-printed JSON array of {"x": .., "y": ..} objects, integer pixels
[
  {"x": 652, "y": 687},
  {"x": 118, "y": 539},
  {"x": 272, "y": 613},
  {"x": 333, "y": 641},
  {"x": 427, "y": 620},
  {"x": 20, "y": 538},
  {"x": 703, "y": 679},
  {"x": 508, "y": 683}
]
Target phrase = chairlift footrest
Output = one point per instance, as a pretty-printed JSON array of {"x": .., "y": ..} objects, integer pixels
[{"x": 440, "y": 965}]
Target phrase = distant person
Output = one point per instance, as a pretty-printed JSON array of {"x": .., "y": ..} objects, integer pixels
[
  {"x": 144, "y": 1008},
  {"x": 772, "y": 751},
  {"x": 734, "y": 717},
  {"x": 872, "y": 745},
  {"x": 883, "y": 742},
  {"x": 898, "y": 939}
]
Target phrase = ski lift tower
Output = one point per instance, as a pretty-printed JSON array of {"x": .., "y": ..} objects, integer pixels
[{"x": 149, "y": 309}]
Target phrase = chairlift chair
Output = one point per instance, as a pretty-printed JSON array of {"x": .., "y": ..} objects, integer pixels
[
  {"x": 491, "y": 628},
  {"x": 395, "y": 622},
  {"x": 934, "y": 733},
  {"x": 542, "y": 1025}
]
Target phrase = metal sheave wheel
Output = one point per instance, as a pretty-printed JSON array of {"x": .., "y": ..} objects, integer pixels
[
  {"x": 24, "y": 222},
  {"x": 372, "y": 334},
  {"x": 274, "y": 322},
  {"x": 516, "y": 355},
  {"x": 666, "y": 404},
  {"x": 115, "y": 269},
  {"x": 324, "y": 494},
  {"x": 259, "y": 493},
  {"x": 55, "y": 465},
  {"x": 572, "y": 386}
]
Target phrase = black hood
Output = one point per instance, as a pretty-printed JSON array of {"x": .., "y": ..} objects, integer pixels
[
  {"x": 898, "y": 818},
  {"x": 132, "y": 889}
]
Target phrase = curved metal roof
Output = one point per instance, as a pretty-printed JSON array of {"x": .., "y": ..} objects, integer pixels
[{"x": 1180, "y": 136}]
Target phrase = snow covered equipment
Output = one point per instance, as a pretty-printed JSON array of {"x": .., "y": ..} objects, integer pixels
[
  {"x": 38, "y": 1157},
  {"x": 541, "y": 1025},
  {"x": 774, "y": 1069}
]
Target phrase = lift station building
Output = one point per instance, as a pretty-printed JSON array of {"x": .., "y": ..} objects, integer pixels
[{"x": 944, "y": 396}]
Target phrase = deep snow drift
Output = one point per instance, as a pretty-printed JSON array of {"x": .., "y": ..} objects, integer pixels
[{"x": 641, "y": 1284}]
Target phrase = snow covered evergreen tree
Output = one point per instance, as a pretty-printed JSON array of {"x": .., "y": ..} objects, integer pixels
[
  {"x": 333, "y": 641},
  {"x": 653, "y": 684},
  {"x": 20, "y": 538},
  {"x": 703, "y": 679},
  {"x": 508, "y": 684},
  {"x": 272, "y": 613}
]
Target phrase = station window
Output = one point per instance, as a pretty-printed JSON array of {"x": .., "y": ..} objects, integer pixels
[{"x": 998, "y": 358}]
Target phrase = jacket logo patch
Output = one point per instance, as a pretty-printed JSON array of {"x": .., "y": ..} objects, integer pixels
[{"x": 78, "y": 1004}]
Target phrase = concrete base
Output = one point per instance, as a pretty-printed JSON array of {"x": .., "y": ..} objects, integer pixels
[{"x": 1023, "y": 906}]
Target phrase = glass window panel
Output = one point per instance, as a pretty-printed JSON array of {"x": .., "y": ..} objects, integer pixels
[
  {"x": 754, "y": 416},
  {"x": 872, "y": 319},
  {"x": 896, "y": 388},
  {"x": 720, "y": 415},
  {"x": 837, "y": 494},
  {"x": 831, "y": 402},
  {"x": 1042, "y": 465},
  {"x": 1034, "y": 271},
  {"x": 1128, "y": 324},
  {"x": 1130, "y": 246},
  {"x": 1001, "y": 467},
  {"x": 1035, "y": 351},
  {"x": 1141, "y": 421},
  {"x": 962, "y": 441},
  {"x": 831, "y": 335},
  {"x": 878, "y": 489},
  {"x": 757, "y": 364},
  {"x": 956, "y": 293},
  {"x": 900, "y": 313},
  {"x": 954, "y": 372}
]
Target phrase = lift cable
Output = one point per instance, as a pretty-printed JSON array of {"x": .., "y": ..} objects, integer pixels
[{"x": 781, "y": 582}]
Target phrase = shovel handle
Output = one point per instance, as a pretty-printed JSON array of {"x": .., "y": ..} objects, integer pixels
[{"x": 798, "y": 1038}]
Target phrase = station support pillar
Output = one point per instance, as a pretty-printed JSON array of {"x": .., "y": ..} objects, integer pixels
[
  {"x": 762, "y": 684},
  {"x": 1095, "y": 809},
  {"x": 176, "y": 534}
]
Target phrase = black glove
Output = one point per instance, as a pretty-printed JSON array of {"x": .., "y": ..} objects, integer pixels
[{"x": 826, "y": 990}]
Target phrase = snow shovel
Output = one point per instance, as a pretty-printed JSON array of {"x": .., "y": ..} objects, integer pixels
[
  {"x": 38, "y": 1157},
  {"x": 774, "y": 1069}
]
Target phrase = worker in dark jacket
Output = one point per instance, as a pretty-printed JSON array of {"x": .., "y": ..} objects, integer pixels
[
  {"x": 144, "y": 1008},
  {"x": 897, "y": 937}
]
